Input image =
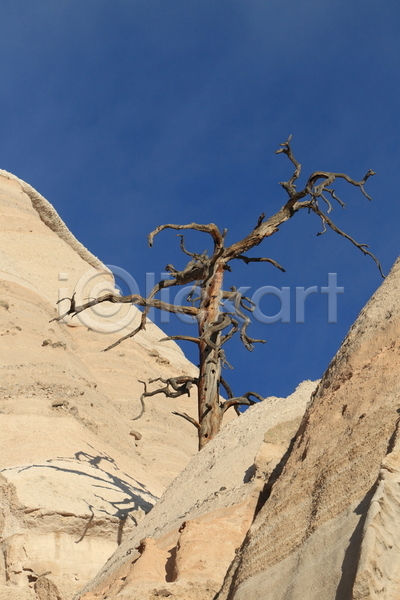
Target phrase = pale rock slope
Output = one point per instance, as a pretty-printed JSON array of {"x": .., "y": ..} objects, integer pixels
[
  {"x": 183, "y": 548},
  {"x": 77, "y": 474},
  {"x": 331, "y": 527}
]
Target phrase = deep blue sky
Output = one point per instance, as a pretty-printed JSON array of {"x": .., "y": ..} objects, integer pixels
[{"x": 126, "y": 114}]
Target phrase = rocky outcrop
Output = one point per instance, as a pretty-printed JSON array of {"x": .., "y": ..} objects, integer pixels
[
  {"x": 296, "y": 499},
  {"x": 184, "y": 546},
  {"x": 78, "y": 474},
  {"x": 330, "y": 526},
  {"x": 50, "y": 217},
  {"x": 322, "y": 494},
  {"x": 378, "y": 569}
]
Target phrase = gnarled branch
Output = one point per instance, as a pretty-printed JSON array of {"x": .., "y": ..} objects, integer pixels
[
  {"x": 329, "y": 178},
  {"x": 228, "y": 390},
  {"x": 242, "y": 400},
  {"x": 132, "y": 299},
  {"x": 289, "y": 185},
  {"x": 143, "y": 406},
  {"x": 248, "y": 260},
  {"x": 271, "y": 225},
  {"x": 231, "y": 332},
  {"x": 223, "y": 321},
  {"x": 190, "y": 419},
  {"x": 135, "y": 299},
  {"x": 71, "y": 310},
  {"x": 180, "y": 386},
  {"x": 184, "y": 338},
  {"x": 327, "y": 221},
  {"x": 211, "y": 228},
  {"x": 239, "y": 299},
  {"x": 126, "y": 337},
  {"x": 200, "y": 257}
]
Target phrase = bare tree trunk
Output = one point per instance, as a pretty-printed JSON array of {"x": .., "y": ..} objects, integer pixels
[
  {"x": 206, "y": 272},
  {"x": 210, "y": 412}
]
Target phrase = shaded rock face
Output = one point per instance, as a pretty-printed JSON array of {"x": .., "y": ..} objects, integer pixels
[
  {"x": 330, "y": 528},
  {"x": 74, "y": 480}
]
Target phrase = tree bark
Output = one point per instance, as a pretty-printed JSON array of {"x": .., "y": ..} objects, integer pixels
[{"x": 210, "y": 411}]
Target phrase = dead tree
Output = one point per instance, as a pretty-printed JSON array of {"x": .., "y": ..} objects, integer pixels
[{"x": 206, "y": 273}]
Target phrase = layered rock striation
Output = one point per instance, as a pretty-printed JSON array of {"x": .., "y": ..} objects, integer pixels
[
  {"x": 297, "y": 499},
  {"x": 185, "y": 545},
  {"x": 330, "y": 528},
  {"x": 77, "y": 474}
]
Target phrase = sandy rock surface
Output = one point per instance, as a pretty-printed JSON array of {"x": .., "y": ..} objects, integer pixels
[
  {"x": 185, "y": 545},
  {"x": 330, "y": 528},
  {"x": 77, "y": 473},
  {"x": 296, "y": 499}
]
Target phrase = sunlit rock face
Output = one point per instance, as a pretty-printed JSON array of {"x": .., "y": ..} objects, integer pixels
[
  {"x": 77, "y": 474},
  {"x": 296, "y": 499},
  {"x": 331, "y": 527},
  {"x": 184, "y": 547}
]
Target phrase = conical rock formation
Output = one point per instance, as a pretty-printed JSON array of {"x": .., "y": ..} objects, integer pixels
[
  {"x": 331, "y": 526},
  {"x": 77, "y": 473}
]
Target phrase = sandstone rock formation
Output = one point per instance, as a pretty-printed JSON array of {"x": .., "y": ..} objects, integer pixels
[
  {"x": 184, "y": 546},
  {"x": 77, "y": 473},
  {"x": 330, "y": 528},
  {"x": 296, "y": 499}
]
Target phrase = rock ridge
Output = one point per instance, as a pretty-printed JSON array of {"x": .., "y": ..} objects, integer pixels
[
  {"x": 322, "y": 513},
  {"x": 75, "y": 481},
  {"x": 51, "y": 218}
]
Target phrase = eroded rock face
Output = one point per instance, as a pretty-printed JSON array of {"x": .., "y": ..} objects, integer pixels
[
  {"x": 275, "y": 507},
  {"x": 184, "y": 547},
  {"x": 75, "y": 482},
  {"x": 378, "y": 568},
  {"x": 189, "y": 563},
  {"x": 330, "y": 528}
]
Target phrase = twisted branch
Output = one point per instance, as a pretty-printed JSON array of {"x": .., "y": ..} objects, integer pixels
[
  {"x": 200, "y": 257},
  {"x": 135, "y": 299},
  {"x": 289, "y": 185},
  {"x": 180, "y": 386},
  {"x": 248, "y": 260},
  {"x": 242, "y": 401},
  {"x": 239, "y": 300},
  {"x": 330, "y": 178},
  {"x": 210, "y": 228},
  {"x": 184, "y": 338},
  {"x": 71, "y": 310},
  {"x": 223, "y": 321},
  {"x": 190, "y": 419},
  {"x": 327, "y": 221}
]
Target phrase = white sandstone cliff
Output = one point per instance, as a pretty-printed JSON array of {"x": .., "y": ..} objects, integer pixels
[{"x": 75, "y": 477}]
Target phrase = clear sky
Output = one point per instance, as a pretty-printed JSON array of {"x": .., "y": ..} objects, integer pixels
[{"x": 126, "y": 114}]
